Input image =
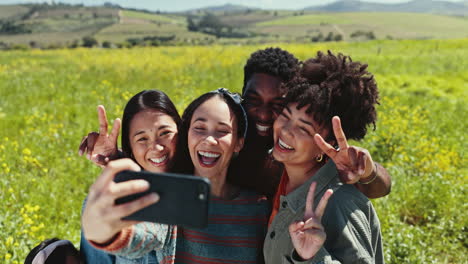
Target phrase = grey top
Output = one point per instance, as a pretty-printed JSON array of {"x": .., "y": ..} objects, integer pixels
[{"x": 350, "y": 222}]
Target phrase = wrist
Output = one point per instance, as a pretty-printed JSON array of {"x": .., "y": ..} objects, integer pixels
[{"x": 369, "y": 179}]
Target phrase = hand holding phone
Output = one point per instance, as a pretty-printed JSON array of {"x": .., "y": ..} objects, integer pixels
[
  {"x": 183, "y": 199},
  {"x": 102, "y": 218}
]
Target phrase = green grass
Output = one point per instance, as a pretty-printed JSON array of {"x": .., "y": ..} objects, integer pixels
[
  {"x": 8, "y": 11},
  {"x": 49, "y": 99},
  {"x": 397, "y": 25},
  {"x": 153, "y": 17},
  {"x": 315, "y": 19}
]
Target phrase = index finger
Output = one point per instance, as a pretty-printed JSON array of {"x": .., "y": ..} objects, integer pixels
[
  {"x": 324, "y": 146},
  {"x": 310, "y": 201},
  {"x": 339, "y": 134},
  {"x": 102, "y": 120},
  {"x": 322, "y": 204}
]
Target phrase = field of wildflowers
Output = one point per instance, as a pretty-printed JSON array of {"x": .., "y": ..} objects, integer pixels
[{"x": 49, "y": 98}]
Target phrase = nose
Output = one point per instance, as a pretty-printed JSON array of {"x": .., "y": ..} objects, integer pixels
[
  {"x": 285, "y": 130},
  {"x": 211, "y": 140},
  {"x": 158, "y": 146},
  {"x": 264, "y": 114}
]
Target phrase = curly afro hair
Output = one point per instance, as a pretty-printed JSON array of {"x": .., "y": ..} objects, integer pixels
[
  {"x": 330, "y": 85},
  {"x": 271, "y": 61}
]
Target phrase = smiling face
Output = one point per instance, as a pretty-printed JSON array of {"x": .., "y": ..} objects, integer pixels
[
  {"x": 263, "y": 102},
  {"x": 294, "y": 132},
  {"x": 212, "y": 138},
  {"x": 153, "y": 138}
]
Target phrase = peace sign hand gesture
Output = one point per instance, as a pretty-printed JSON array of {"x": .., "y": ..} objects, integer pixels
[
  {"x": 353, "y": 163},
  {"x": 308, "y": 235},
  {"x": 100, "y": 147}
]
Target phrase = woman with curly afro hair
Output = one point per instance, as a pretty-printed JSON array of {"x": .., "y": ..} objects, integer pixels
[
  {"x": 331, "y": 97},
  {"x": 263, "y": 91}
]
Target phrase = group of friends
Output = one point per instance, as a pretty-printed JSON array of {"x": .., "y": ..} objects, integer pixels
[{"x": 286, "y": 186}]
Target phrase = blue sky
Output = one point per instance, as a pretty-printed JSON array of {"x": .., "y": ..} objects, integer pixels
[{"x": 181, "y": 5}]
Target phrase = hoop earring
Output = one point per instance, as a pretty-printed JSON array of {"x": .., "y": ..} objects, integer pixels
[{"x": 319, "y": 159}]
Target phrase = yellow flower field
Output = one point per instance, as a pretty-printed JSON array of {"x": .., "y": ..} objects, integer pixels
[{"x": 49, "y": 98}]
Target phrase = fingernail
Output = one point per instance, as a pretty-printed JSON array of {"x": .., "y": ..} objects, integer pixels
[
  {"x": 143, "y": 184},
  {"x": 154, "y": 197}
]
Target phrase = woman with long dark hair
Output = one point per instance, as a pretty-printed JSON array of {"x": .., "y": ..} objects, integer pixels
[{"x": 212, "y": 131}]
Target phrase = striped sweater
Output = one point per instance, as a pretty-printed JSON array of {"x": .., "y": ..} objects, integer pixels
[{"x": 235, "y": 232}]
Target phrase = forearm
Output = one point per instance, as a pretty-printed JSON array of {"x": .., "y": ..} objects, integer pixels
[
  {"x": 377, "y": 185},
  {"x": 137, "y": 240}
]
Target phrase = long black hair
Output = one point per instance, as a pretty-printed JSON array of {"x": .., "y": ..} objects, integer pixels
[{"x": 148, "y": 99}]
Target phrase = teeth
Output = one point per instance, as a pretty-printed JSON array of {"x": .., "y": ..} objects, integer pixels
[
  {"x": 209, "y": 154},
  {"x": 262, "y": 128},
  {"x": 284, "y": 145},
  {"x": 159, "y": 160}
]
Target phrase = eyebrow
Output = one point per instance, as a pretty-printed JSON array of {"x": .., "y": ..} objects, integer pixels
[
  {"x": 253, "y": 92},
  {"x": 202, "y": 119},
  {"x": 143, "y": 131}
]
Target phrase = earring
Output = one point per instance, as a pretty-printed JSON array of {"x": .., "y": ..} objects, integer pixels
[{"x": 319, "y": 159}]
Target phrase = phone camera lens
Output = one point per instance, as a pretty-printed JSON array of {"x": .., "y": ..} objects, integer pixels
[{"x": 201, "y": 196}]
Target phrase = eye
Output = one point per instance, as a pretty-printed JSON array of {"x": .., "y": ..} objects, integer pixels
[
  {"x": 167, "y": 132},
  {"x": 142, "y": 139},
  {"x": 277, "y": 107},
  {"x": 305, "y": 131},
  {"x": 252, "y": 101},
  {"x": 223, "y": 132}
]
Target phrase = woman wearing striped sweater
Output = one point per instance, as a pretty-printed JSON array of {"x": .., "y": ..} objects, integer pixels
[{"x": 213, "y": 129}]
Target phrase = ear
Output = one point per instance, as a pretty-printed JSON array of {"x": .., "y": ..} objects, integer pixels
[{"x": 239, "y": 145}]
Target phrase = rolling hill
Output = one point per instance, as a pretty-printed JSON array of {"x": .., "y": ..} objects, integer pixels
[{"x": 43, "y": 25}]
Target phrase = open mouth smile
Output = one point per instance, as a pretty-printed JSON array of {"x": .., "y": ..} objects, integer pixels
[
  {"x": 208, "y": 159},
  {"x": 159, "y": 161},
  {"x": 262, "y": 128},
  {"x": 283, "y": 146}
]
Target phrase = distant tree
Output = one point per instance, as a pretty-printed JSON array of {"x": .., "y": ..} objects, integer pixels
[
  {"x": 210, "y": 24},
  {"x": 191, "y": 26},
  {"x": 318, "y": 37},
  {"x": 11, "y": 28},
  {"x": 275, "y": 13},
  {"x": 106, "y": 44},
  {"x": 329, "y": 37},
  {"x": 338, "y": 37},
  {"x": 363, "y": 34},
  {"x": 95, "y": 15},
  {"x": 75, "y": 44},
  {"x": 33, "y": 44},
  {"x": 89, "y": 42}
]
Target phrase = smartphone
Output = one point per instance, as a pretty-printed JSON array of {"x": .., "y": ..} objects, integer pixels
[{"x": 184, "y": 199}]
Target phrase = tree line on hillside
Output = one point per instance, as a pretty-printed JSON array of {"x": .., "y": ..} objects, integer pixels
[{"x": 172, "y": 40}]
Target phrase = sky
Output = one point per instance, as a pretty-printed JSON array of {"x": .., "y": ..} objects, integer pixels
[{"x": 182, "y": 5}]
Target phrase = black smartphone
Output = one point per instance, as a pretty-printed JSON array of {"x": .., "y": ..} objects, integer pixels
[{"x": 184, "y": 199}]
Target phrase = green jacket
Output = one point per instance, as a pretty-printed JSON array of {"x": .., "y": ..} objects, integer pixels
[{"x": 350, "y": 222}]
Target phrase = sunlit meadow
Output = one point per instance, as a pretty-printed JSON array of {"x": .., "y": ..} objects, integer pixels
[{"x": 49, "y": 98}]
